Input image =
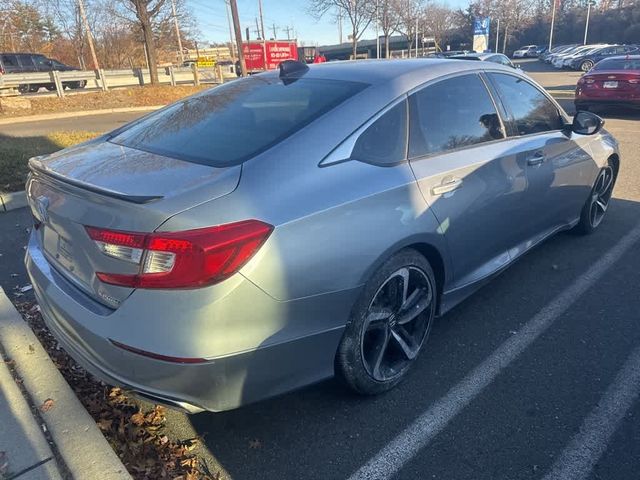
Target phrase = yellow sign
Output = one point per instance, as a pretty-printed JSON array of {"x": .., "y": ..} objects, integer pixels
[{"x": 205, "y": 62}]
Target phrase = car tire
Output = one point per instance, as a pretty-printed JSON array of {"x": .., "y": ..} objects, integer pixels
[
  {"x": 586, "y": 65},
  {"x": 24, "y": 88},
  {"x": 50, "y": 88},
  {"x": 389, "y": 324},
  {"x": 596, "y": 206},
  {"x": 33, "y": 88}
]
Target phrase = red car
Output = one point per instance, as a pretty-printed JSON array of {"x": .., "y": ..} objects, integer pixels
[{"x": 614, "y": 81}]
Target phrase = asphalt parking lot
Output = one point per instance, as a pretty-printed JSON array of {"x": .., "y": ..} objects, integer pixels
[{"x": 536, "y": 376}]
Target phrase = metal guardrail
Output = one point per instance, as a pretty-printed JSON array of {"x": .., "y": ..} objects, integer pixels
[{"x": 105, "y": 79}]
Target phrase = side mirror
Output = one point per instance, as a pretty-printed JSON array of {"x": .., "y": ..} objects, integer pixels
[{"x": 586, "y": 123}]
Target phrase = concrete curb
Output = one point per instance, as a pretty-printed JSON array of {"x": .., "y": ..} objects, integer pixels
[
  {"x": 81, "y": 113},
  {"x": 82, "y": 447},
  {"x": 11, "y": 201}
]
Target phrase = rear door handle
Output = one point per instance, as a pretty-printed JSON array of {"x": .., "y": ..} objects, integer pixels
[
  {"x": 536, "y": 159},
  {"x": 447, "y": 185}
]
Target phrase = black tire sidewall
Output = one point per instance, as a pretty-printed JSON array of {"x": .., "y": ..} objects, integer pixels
[
  {"x": 584, "y": 226},
  {"x": 349, "y": 362}
]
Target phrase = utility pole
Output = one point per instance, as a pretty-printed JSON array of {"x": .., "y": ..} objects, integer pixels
[
  {"x": 261, "y": 20},
  {"x": 175, "y": 20},
  {"x": 416, "y": 53},
  {"x": 275, "y": 32},
  {"x": 553, "y": 21},
  {"x": 497, "y": 35},
  {"x": 377, "y": 33},
  {"x": 288, "y": 30},
  {"x": 257, "y": 30},
  {"x": 504, "y": 40},
  {"x": 233, "y": 54},
  {"x": 264, "y": 37},
  {"x": 96, "y": 65},
  {"x": 340, "y": 26},
  {"x": 586, "y": 26},
  {"x": 238, "y": 33}
]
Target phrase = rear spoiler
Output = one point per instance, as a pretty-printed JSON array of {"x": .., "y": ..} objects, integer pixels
[{"x": 38, "y": 168}]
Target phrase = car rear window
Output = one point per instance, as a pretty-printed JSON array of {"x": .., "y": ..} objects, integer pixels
[
  {"x": 618, "y": 64},
  {"x": 231, "y": 123}
]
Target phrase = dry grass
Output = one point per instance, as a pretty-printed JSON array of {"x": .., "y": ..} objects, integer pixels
[
  {"x": 16, "y": 151},
  {"x": 130, "y": 97}
]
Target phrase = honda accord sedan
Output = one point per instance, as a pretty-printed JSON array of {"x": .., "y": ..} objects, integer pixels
[{"x": 303, "y": 223}]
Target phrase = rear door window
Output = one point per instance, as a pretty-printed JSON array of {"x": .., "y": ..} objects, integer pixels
[
  {"x": 231, "y": 123},
  {"x": 531, "y": 111},
  {"x": 26, "y": 62},
  {"x": 384, "y": 142},
  {"x": 451, "y": 114}
]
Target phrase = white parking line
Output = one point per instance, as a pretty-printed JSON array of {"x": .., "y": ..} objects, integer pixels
[
  {"x": 408, "y": 443},
  {"x": 586, "y": 448}
]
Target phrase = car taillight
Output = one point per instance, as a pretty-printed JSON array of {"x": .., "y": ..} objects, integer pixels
[{"x": 188, "y": 259}]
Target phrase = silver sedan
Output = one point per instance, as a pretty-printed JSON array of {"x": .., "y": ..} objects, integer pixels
[{"x": 280, "y": 229}]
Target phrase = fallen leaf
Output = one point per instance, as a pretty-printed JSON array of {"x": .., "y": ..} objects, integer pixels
[
  {"x": 105, "y": 423},
  {"x": 137, "y": 418},
  {"x": 47, "y": 405},
  {"x": 31, "y": 348}
]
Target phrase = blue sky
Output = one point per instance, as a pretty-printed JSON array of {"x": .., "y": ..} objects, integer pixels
[{"x": 212, "y": 20}]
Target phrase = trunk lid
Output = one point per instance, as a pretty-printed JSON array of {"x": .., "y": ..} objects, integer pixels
[{"x": 110, "y": 186}]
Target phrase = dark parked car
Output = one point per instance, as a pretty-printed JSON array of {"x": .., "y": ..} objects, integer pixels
[
  {"x": 589, "y": 59},
  {"x": 612, "y": 82},
  {"x": 35, "y": 62}
]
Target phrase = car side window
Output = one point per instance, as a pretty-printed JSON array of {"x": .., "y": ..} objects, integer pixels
[
  {"x": 10, "y": 61},
  {"x": 384, "y": 142},
  {"x": 531, "y": 110},
  {"x": 26, "y": 61},
  {"x": 453, "y": 113},
  {"x": 40, "y": 61}
]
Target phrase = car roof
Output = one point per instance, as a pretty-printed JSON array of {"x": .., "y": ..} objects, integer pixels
[
  {"x": 476, "y": 56},
  {"x": 414, "y": 70},
  {"x": 23, "y": 53}
]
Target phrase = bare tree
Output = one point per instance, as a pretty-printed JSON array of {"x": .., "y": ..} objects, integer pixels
[
  {"x": 408, "y": 13},
  {"x": 359, "y": 12},
  {"x": 438, "y": 20},
  {"x": 146, "y": 12},
  {"x": 388, "y": 21}
]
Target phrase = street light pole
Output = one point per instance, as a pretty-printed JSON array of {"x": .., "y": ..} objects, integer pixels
[
  {"x": 586, "y": 26},
  {"x": 377, "y": 32},
  {"x": 553, "y": 21},
  {"x": 238, "y": 33}
]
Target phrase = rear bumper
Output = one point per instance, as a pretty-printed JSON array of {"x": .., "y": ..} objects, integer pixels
[
  {"x": 583, "y": 101},
  {"x": 217, "y": 384}
]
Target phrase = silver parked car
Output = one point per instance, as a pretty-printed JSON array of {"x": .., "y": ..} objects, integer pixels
[{"x": 280, "y": 229}]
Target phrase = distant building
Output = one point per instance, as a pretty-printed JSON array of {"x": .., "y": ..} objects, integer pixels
[{"x": 367, "y": 48}]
